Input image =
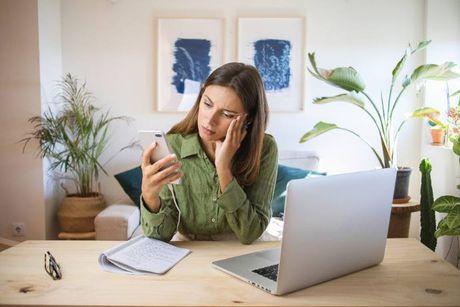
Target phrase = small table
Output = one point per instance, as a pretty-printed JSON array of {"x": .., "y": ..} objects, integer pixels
[
  {"x": 410, "y": 275},
  {"x": 400, "y": 219}
]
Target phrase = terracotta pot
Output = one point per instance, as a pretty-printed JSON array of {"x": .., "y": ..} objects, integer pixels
[
  {"x": 437, "y": 136},
  {"x": 76, "y": 214}
]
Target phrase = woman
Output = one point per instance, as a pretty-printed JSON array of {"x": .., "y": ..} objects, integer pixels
[{"x": 226, "y": 162}]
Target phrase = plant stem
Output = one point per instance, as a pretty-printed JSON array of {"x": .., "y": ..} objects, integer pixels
[
  {"x": 389, "y": 99},
  {"x": 396, "y": 102},
  {"x": 373, "y": 149},
  {"x": 397, "y": 135},
  {"x": 376, "y": 110},
  {"x": 383, "y": 107}
]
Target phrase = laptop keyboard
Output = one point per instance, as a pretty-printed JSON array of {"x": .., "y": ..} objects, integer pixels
[{"x": 270, "y": 272}]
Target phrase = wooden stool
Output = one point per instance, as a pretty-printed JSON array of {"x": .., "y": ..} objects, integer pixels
[
  {"x": 400, "y": 219},
  {"x": 77, "y": 235}
]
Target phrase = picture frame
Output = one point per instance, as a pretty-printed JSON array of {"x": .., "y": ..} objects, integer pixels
[
  {"x": 189, "y": 49},
  {"x": 275, "y": 46}
]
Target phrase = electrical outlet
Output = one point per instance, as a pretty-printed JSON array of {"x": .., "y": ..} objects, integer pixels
[{"x": 19, "y": 229}]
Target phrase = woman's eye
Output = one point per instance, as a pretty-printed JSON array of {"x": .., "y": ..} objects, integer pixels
[
  {"x": 207, "y": 104},
  {"x": 228, "y": 115}
]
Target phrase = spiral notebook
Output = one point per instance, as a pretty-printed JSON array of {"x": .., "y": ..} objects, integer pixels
[{"x": 142, "y": 255}]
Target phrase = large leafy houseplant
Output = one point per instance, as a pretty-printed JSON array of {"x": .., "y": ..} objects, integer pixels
[
  {"x": 73, "y": 139},
  {"x": 382, "y": 113}
]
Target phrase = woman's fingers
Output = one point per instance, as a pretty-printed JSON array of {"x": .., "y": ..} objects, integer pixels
[
  {"x": 171, "y": 178},
  {"x": 235, "y": 132},
  {"x": 230, "y": 130},
  {"x": 173, "y": 169},
  {"x": 164, "y": 162},
  {"x": 238, "y": 130},
  {"x": 147, "y": 154}
]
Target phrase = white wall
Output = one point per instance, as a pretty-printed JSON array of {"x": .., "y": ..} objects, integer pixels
[
  {"x": 49, "y": 26},
  {"x": 112, "y": 44},
  {"x": 21, "y": 183}
]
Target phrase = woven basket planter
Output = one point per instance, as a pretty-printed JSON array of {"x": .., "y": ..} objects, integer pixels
[{"x": 76, "y": 214}]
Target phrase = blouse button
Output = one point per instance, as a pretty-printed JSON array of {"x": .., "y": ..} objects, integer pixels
[{"x": 213, "y": 220}]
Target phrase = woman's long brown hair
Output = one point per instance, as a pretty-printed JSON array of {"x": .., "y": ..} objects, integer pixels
[{"x": 247, "y": 84}]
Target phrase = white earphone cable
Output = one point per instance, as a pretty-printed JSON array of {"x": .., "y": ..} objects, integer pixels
[{"x": 175, "y": 203}]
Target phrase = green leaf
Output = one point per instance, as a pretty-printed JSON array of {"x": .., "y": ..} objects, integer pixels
[
  {"x": 425, "y": 112},
  {"x": 449, "y": 225},
  {"x": 408, "y": 52},
  {"x": 319, "y": 128},
  {"x": 421, "y": 46},
  {"x": 311, "y": 57},
  {"x": 456, "y": 145},
  {"x": 400, "y": 64},
  {"x": 406, "y": 81},
  {"x": 446, "y": 203},
  {"x": 351, "y": 98},
  {"x": 346, "y": 78},
  {"x": 455, "y": 93},
  {"x": 453, "y": 218},
  {"x": 435, "y": 72},
  {"x": 447, "y": 232}
]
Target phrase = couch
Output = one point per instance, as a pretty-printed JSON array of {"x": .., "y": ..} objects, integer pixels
[{"x": 121, "y": 220}]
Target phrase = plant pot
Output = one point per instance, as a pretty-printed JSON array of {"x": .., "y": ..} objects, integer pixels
[
  {"x": 401, "y": 191},
  {"x": 76, "y": 214},
  {"x": 437, "y": 136}
]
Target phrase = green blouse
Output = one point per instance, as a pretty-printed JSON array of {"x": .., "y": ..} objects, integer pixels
[{"x": 206, "y": 211}]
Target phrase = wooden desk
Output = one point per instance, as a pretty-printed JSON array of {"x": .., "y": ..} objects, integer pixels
[{"x": 411, "y": 275}]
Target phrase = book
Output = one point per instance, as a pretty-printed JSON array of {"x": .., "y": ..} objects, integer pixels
[{"x": 142, "y": 255}]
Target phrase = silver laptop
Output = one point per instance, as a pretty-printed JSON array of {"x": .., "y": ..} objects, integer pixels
[{"x": 333, "y": 225}]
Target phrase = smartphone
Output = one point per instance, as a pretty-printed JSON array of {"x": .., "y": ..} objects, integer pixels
[{"x": 147, "y": 137}]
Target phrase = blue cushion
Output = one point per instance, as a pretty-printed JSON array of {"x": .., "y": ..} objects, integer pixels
[
  {"x": 286, "y": 174},
  {"x": 131, "y": 182}
]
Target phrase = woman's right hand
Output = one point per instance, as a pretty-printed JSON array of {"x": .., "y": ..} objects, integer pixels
[{"x": 156, "y": 175}]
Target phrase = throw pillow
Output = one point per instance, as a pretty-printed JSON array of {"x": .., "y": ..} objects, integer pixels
[{"x": 131, "y": 182}]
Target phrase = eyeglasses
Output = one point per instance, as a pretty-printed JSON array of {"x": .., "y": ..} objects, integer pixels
[{"x": 52, "y": 267}]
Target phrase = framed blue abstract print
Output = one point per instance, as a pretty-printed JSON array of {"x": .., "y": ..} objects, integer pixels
[
  {"x": 275, "y": 46},
  {"x": 188, "y": 51}
]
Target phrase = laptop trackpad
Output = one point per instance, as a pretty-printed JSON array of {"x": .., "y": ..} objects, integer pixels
[{"x": 271, "y": 255}]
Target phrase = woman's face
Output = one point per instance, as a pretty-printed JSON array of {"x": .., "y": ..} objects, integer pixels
[{"x": 219, "y": 105}]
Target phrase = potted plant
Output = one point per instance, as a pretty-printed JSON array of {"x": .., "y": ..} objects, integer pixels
[
  {"x": 381, "y": 113},
  {"x": 73, "y": 139},
  {"x": 438, "y": 134},
  {"x": 441, "y": 131}
]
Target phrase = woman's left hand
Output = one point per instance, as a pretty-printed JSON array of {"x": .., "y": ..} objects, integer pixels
[{"x": 225, "y": 150}]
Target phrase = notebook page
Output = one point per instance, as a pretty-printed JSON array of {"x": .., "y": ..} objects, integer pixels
[{"x": 148, "y": 255}]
